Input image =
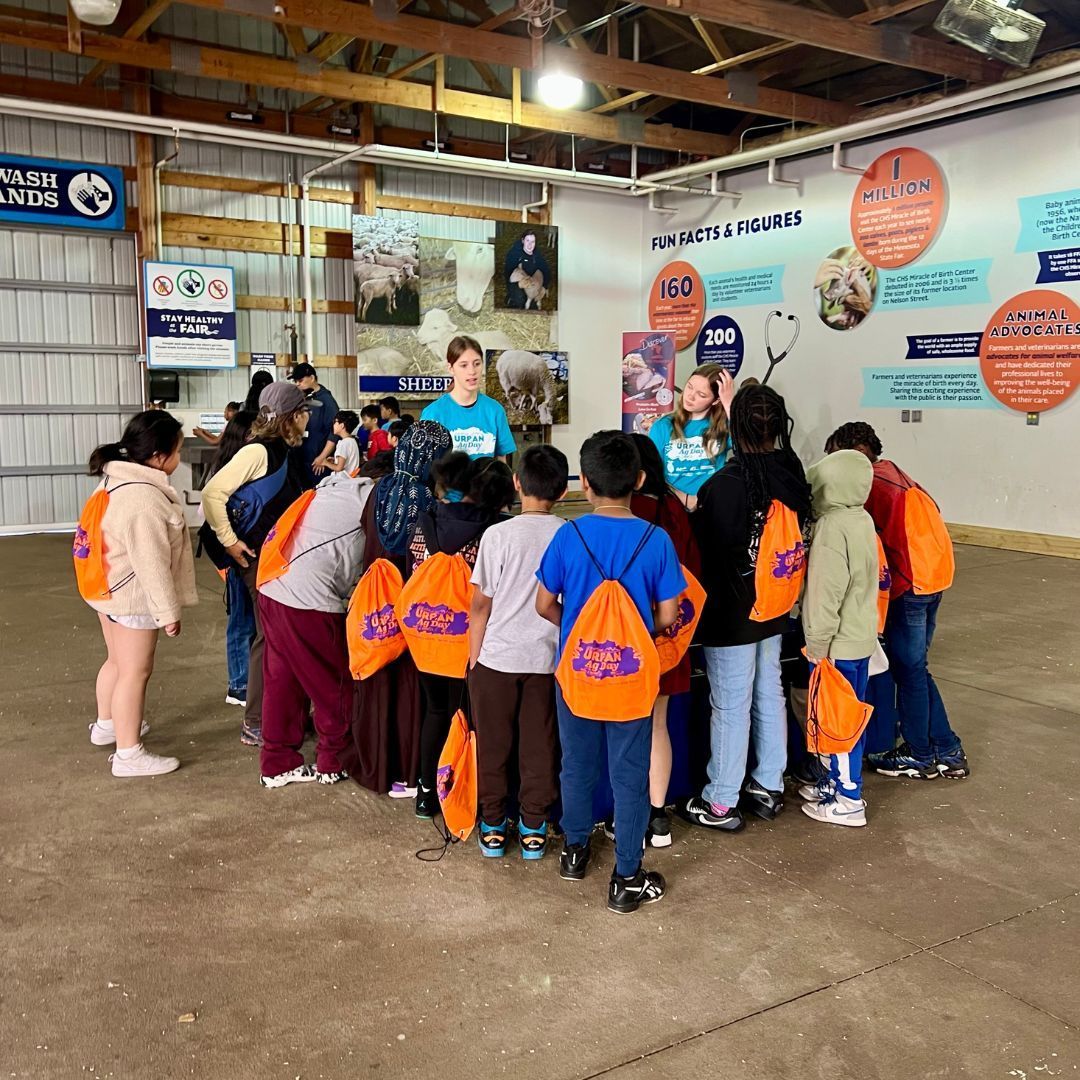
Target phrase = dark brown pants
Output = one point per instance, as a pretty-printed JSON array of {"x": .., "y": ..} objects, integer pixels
[{"x": 504, "y": 706}]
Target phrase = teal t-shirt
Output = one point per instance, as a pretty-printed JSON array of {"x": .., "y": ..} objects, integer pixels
[
  {"x": 479, "y": 429},
  {"x": 686, "y": 464}
]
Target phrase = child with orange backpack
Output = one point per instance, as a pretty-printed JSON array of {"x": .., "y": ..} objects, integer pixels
[
  {"x": 486, "y": 489},
  {"x": 839, "y": 618},
  {"x": 308, "y": 567},
  {"x": 748, "y": 522},
  {"x": 609, "y": 582},
  {"x": 921, "y": 563},
  {"x": 134, "y": 567},
  {"x": 512, "y": 662}
]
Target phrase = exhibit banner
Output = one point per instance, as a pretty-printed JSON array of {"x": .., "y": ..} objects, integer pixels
[
  {"x": 190, "y": 316},
  {"x": 648, "y": 378},
  {"x": 39, "y": 191}
]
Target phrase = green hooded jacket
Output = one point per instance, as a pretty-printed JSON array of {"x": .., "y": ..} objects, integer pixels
[{"x": 839, "y": 611}]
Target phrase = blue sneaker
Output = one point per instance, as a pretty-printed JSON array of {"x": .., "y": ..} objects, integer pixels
[
  {"x": 954, "y": 765},
  {"x": 492, "y": 839},
  {"x": 902, "y": 762},
  {"x": 533, "y": 841}
]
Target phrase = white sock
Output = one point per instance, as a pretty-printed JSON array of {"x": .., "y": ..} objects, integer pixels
[
  {"x": 129, "y": 752},
  {"x": 105, "y": 725}
]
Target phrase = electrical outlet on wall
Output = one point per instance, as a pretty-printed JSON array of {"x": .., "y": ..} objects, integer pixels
[
  {"x": 1032, "y": 419},
  {"x": 916, "y": 416},
  {"x": 905, "y": 416}
]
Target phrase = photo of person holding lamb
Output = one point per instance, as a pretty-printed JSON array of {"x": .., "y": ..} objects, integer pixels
[{"x": 529, "y": 260}]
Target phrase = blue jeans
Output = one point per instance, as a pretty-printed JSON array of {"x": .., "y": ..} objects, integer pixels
[
  {"x": 239, "y": 630},
  {"x": 747, "y": 702},
  {"x": 629, "y": 747},
  {"x": 845, "y": 770},
  {"x": 909, "y": 631}
]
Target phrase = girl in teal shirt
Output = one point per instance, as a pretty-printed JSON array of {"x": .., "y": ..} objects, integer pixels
[{"x": 693, "y": 440}]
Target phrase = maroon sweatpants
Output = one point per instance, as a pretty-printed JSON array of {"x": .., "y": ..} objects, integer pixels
[
  {"x": 504, "y": 705},
  {"x": 305, "y": 657}
]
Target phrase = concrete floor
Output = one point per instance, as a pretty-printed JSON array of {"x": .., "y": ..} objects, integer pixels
[{"x": 306, "y": 939}]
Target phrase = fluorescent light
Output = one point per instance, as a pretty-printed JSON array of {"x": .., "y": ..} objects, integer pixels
[{"x": 559, "y": 90}]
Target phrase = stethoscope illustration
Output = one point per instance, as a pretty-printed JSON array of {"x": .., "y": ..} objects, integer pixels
[{"x": 775, "y": 359}]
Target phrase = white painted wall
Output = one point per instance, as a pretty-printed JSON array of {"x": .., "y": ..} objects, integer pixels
[
  {"x": 985, "y": 466},
  {"x": 601, "y": 241}
]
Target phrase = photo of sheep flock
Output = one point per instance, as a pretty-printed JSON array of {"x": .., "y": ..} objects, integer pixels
[
  {"x": 386, "y": 271},
  {"x": 456, "y": 296},
  {"x": 533, "y": 387}
]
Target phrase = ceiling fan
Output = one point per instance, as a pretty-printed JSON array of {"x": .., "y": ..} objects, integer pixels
[{"x": 998, "y": 28}]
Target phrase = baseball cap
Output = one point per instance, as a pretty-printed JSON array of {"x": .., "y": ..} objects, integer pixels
[
  {"x": 280, "y": 398},
  {"x": 301, "y": 371}
]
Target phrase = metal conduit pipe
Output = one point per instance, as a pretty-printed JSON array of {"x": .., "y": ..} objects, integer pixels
[
  {"x": 305, "y": 209},
  {"x": 158, "y": 166},
  {"x": 542, "y": 201}
]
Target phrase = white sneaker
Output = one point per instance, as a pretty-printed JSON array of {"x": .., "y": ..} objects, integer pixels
[
  {"x": 106, "y": 736},
  {"x": 816, "y": 792},
  {"x": 232, "y": 699},
  {"x": 837, "y": 810},
  {"x": 302, "y": 774},
  {"x": 143, "y": 763},
  {"x": 331, "y": 777}
]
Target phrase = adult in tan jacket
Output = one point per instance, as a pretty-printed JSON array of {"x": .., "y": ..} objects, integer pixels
[{"x": 150, "y": 576}]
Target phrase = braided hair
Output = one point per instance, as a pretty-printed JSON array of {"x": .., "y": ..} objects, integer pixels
[
  {"x": 759, "y": 418},
  {"x": 853, "y": 436}
]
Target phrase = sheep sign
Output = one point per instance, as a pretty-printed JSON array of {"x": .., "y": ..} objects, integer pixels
[
  {"x": 386, "y": 271},
  {"x": 533, "y": 387},
  {"x": 527, "y": 265}
]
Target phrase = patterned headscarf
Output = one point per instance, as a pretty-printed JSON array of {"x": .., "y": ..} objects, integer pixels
[{"x": 401, "y": 496}]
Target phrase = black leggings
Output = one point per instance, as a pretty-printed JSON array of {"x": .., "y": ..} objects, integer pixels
[{"x": 443, "y": 697}]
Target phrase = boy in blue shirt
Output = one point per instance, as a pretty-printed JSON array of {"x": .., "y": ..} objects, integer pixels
[
  {"x": 610, "y": 473},
  {"x": 476, "y": 422}
]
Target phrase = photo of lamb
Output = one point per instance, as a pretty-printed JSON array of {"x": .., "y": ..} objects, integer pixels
[
  {"x": 527, "y": 267},
  {"x": 533, "y": 387},
  {"x": 386, "y": 271},
  {"x": 457, "y": 296}
]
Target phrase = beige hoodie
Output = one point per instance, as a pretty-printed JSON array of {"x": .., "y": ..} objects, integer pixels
[
  {"x": 839, "y": 611},
  {"x": 147, "y": 545}
]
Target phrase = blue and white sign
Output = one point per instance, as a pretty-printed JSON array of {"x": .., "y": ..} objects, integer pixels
[
  {"x": 38, "y": 191},
  {"x": 190, "y": 316}
]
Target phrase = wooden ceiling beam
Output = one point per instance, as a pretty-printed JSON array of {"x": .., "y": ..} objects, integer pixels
[
  {"x": 564, "y": 26},
  {"x": 837, "y": 34},
  {"x": 143, "y": 21},
  {"x": 234, "y": 66},
  {"x": 329, "y": 45},
  {"x": 691, "y": 86},
  {"x": 878, "y": 13},
  {"x": 295, "y": 37}
]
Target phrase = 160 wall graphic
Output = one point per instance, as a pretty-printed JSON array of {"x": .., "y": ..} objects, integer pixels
[{"x": 868, "y": 270}]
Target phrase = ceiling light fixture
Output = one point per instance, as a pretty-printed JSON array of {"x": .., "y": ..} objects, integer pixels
[
  {"x": 96, "y": 12},
  {"x": 559, "y": 90},
  {"x": 997, "y": 28}
]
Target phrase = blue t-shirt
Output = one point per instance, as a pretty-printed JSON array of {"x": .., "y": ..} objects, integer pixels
[
  {"x": 567, "y": 571},
  {"x": 479, "y": 429},
  {"x": 686, "y": 464}
]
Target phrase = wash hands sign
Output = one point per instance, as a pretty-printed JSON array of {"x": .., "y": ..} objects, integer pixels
[
  {"x": 190, "y": 316},
  {"x": 64, "y": 194}
]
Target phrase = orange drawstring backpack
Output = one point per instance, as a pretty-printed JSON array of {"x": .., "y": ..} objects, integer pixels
[
  {"x": 672, "y": 643},
  {"x": 433, "y": 611},
  {"x": 929, "y": 546},
  {"x": 884, "y": 586},
  {"x": 88, "y": 545},
  {"x": 610, "y": 669},
  {"x": 930, "y": 549},
  {"x": 371, "y": 627},
  {"x": 274, "y": 556},
  {"x": 455, "y": 780},
  {"x": 781, "y": 564},
  {"x": 835, "y": 717}
]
